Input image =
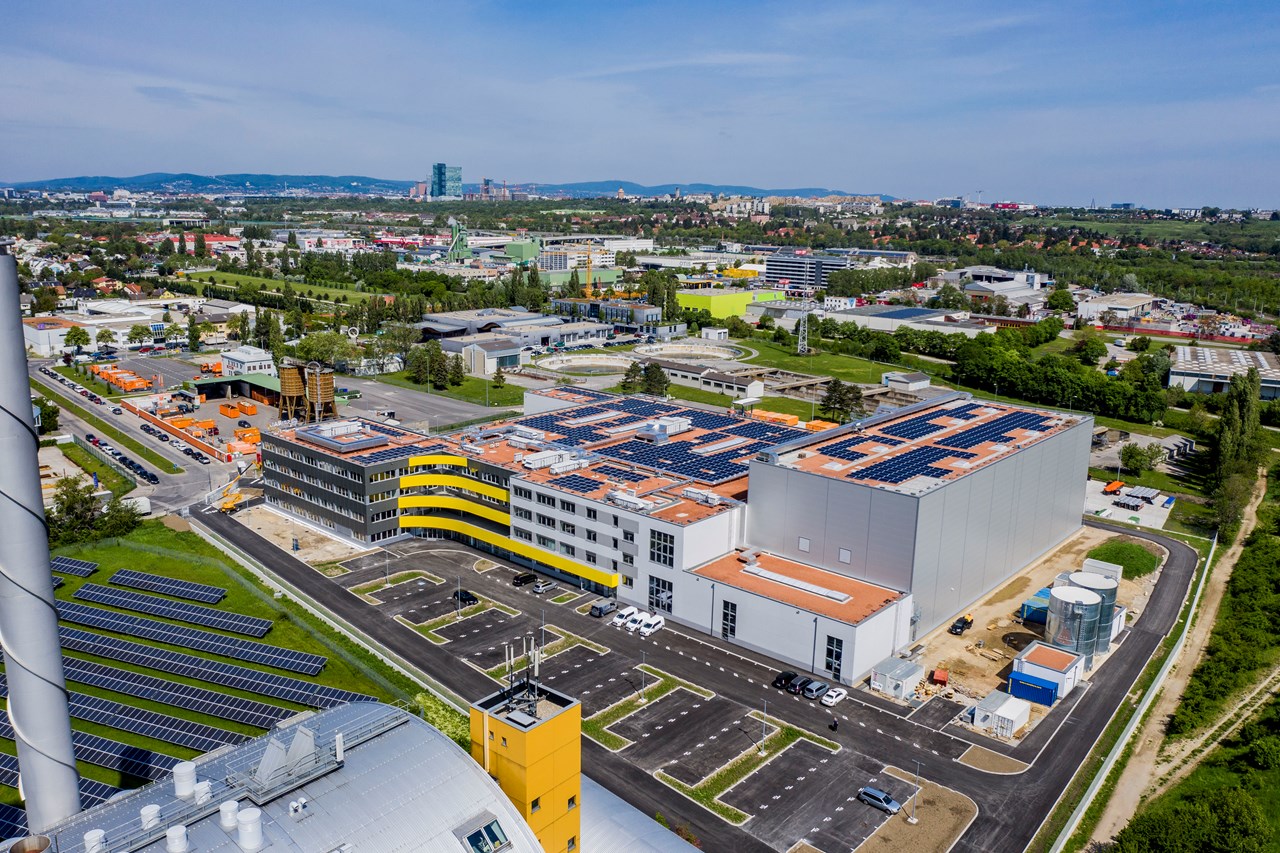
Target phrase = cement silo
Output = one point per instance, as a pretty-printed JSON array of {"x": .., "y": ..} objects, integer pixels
[
  {"x": 1106, "y": 589},
  {"x": 320, "y": 397},
  {"x": 1072, "y": 623},
  {"x": 293, "y": 391}
]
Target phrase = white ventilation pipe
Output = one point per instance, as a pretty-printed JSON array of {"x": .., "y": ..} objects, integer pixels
[
  {"x": 95, "y": 841},
  {"x": 204, "y": 791},
  {"x": 175, "y": 839},
  {"x": 227, "y": 815},
  {"x": 150, "y": 816},
  {"x": 249, "y": 825},
  {"x": 184, "y": 780}
]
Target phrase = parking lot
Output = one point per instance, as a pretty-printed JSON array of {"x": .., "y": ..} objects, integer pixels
[{"x": 1152, "y": 515}]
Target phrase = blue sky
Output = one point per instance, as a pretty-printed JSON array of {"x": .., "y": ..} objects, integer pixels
[{"x": 1162, "y": 103}]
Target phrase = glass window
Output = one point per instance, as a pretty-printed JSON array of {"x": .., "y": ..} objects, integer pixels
[
  {"x": 591, "y": 536},
  {"x": 566, "y": 527},
  {"x": 568, "y": 549},
  {"x": 844, "y": 555},
  {"x": 547, "y": 542},
  {"x": 835, "y": 656},
  {"x": 662, "y": 548},
  {"x": 536, "y": 805},
  {"x": 521, "y": 533},
  {"x": 546, "y": 500},
  {"x": 487, "y": 839},
  {"x": 546, "y": 520},
  {"x": 627, "y": 581},
  {"x": 591, "y": 514},
  {"x": 628, "y": 536},
  {"x": 568, "y": 506},
  {"x": 573, "y": 843},
  {"x": 728, "y": 620},
  {"x": 573, "y": 803},
  {"x": 628, "y": 559},
  {"x": 523, "y": 493},
  {"x": 660, "y": 594},
  {"x": 521, "y": 512}
]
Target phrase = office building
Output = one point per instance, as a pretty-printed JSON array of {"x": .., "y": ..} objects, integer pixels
[
  {"x": 246, "y": 359},
  {"x": 446, "y": 181},
  {"x": 804, "y": 268}
]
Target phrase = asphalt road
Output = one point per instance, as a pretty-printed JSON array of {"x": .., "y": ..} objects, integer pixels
[{"x": 1010, "y": 807}]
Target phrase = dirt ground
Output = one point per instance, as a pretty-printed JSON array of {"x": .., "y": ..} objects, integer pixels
[
  {"x": 992, "y": 762},
  {"x": 53, "y": 467},
  {"x": 313, "y": 545},
  {"x": 943, "y": 816},
  {"x": 973, "y": 670},
  {"x": 1147, "y": 763}
]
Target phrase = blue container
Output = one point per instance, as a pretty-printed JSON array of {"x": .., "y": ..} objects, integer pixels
[
  {"x": 1033, "y": 689},
  {"x": 1036, "y": 608}
]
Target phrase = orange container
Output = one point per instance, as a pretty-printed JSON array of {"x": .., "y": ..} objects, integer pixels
[
  {"x": 181, "y": 423},
  {"x": 229, "y": 410},
  {"x": 248, "y": 408},
  {"x": 206, "y": 424}
]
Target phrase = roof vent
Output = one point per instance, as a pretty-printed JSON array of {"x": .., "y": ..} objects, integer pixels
[
  {"x": 150, "y": 816},
  {"x": 249, "y": 826},
  {"x": 175, "y": 839},
  {"x": 95, "y": 841},
  {"x": 184, "y": 780},
  {"x": 227, "y": 815}
]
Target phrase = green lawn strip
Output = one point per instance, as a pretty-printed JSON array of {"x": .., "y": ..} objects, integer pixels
[
  {"x": 106, "y": 429},
  {"x": 680, "y": 682},
  {"x": 1136, "y": 560},
  {"x": 157, "y": 549},
  {"x": 472, "y": 390},
  {"x": 596, "y": 726},
  {"x": 566, "y": 597},
  {"x": 445, "y": 717},
  {"x": 108, "y": 477},
  {"x": 428, "y": 629},
  {"x": 482, "y": 565},
  {"x": 331, "y": 569},
  {"x": 564, "y": 641},
  {"x": 707, "y": 793},
  {"x": 367, "y": 590},
  {"x": 584, "y": 609},
  {"x": 89, "y": 381}
]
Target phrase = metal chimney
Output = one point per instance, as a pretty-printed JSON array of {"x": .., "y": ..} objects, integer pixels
[{"x": 28, "y": 618}]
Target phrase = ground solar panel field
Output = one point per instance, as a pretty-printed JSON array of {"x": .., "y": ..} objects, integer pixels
[{"x": 149, "y": 688}]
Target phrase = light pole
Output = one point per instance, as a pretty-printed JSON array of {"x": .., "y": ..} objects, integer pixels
[
  {"x": 764, "y": 725},
  {"x": 813, "y": 661},
  {"x": 643, "y": 680},
  {"x": 916, "y": 798}
]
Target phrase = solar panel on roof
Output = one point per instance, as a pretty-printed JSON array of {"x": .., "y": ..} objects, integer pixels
[
  {"x": 387, "y": 455},
  {"x": 914, "y": 463},
  {"x": 843, "y": 449},
  {"x": 620, "y": 474},
  {"x": 70, "y": 566},
  {"x": 575, "y": 483},
  {"x": 169, "y": 586},
  {"x": 179, "y": 610},
  {"x": 199, "y": 699},
  {"x": 998, "y": 430},
  {"x": 913, "y": 428},
  {"x": 190, "y": 666},
  {"x": 191, "y": 638}
]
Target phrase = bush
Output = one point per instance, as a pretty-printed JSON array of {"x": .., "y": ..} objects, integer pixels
[{"x": 1134, "y": 558}]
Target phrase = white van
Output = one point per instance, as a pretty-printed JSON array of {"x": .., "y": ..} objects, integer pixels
[
  {"x": 637, "y": 619},
  {"x": 652, "y": 625},
  {"x": 620, "y": 618}
]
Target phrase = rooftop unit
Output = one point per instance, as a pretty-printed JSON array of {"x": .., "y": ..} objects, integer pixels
[
  {"x": 702, "y": 496},
  {"x": 545, "y": 459},
  {"x": 627, "y": 500}
]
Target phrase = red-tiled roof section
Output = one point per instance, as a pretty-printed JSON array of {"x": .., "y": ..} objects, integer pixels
[{"x": 1050, "y": 658}]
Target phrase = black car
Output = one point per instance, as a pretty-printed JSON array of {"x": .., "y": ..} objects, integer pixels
[
  {"x": 798, "y": 684},
  {"x": 243, "y": 424},
  {"x": 522, "y": 579},
  {"x": 464, "y": 597},
  {"x": 782, "y": 679}
]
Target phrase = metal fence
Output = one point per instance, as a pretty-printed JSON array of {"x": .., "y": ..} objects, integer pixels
[{"x": 106, "y": 460}]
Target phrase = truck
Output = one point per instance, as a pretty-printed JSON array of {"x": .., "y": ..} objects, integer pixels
[{"x": 964, "y": 623}]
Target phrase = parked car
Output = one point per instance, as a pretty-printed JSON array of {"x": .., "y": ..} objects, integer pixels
[
  {"x": 652, "y": 625},
  {"x": 622, "y": 616},
  {"x": 964, "y": 623},
  {"x": 91, "y": 438},
  {"x": 637, "y": 619},
  {"x": 833, "y": 696},
  {"x": 816, "y": 689},
  {"x": 117, "y": 411},
  {"x": 524, "y": 578},
  {"x": 782, "y": 679},
  {"x": 544, "y": 586},
  {"x": 603, "y": 607},
  {"x": 798, "y": 684},
  {"x": 464, "y": 597},
  {"x": 243, "y": 424},
  {"x": 878, "y": 799}
]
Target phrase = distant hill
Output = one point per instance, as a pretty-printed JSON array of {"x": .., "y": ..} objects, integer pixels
[{"x": 188, "y": 182}]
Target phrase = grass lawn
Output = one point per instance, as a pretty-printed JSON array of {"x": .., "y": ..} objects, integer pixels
[
  {"x": 108, "y": 477},
  {"x": 156, "y": 549},
  {"x": 101, "y": 427},
  {"x": 330, "y": 291},
  {"x": 1164, "y": 481},
  {"x": 473, "y": 389},
  {"x": 1136, "y": 560},
  {"x": 843, "y": 367}
]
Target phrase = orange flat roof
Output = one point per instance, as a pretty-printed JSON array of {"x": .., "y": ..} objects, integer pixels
[
  {"x": 1050, "y": 658},
  {"x": 800, "y": 585}
]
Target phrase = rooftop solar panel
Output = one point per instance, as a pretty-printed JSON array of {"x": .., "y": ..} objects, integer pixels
[
  {"x": 575, "y": 483},
  {"x": 620, "y": 474},
  {"x": 913, "y": 428},
  {"x": 919, "y": 462},
  {"x": 155, "y": 606},
  {"x": 998, "y": 430},
  {"x": 169, "y": 586},
  {"x": 192, "y": 638},
  {"x": 387, "y": 455}
]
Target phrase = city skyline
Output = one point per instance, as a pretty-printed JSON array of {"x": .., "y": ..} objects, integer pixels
[{"x": 1162, "y": 105}]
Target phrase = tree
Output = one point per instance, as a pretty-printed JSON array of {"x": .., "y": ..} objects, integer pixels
[
  {"x": 1090, "y": 349},
  {"x": 105, "y": 336},
  {"x": 1137, "y": 459},
  {"x": 45, "y": 301},
  {"x": 1140, "y": 343},
  {"x": 950, "y": 297},
  {"x": 325, "y": 347},
  {"x": 438, "y": 370},
  {"x": 575, "y": 285},
  {"x": 182, "y": 243},
  {"x": 765, "y": 322},
  {"x": 633, "y": 379},
  {"x": 840, "y": 400},
  {"x": 74, "y": 511},
  {"x": 201, "y": 247},
  {"x": 78, "y": 337},
  {"x": 400, "y": 336},
  {"x": 194, "y": 332},
  {"x": 499, "y": 378},
  {"x": 165, "y": 249},
  {"x": 117, "y": 519},
  {"x": 417, "y": 364},
  {"x": 655, "y": 380},
  {"x": 49, "y": 413},
  {"x": 1060, "y": 300},
  {"x": 138, "y": 333},
  {"x": 173, "y": 332},
  {"x": 457, "y": 370}
]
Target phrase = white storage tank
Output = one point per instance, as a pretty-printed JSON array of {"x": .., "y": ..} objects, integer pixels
[
  {"x": 1072, "y": 621},
  {"x": 1106, "y": 589}
]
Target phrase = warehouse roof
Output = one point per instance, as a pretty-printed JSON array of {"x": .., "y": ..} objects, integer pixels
[{"x": 1225, "y": 363}]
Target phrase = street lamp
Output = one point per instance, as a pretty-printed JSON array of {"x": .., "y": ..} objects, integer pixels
[
  {"x": 764, "y": 725},
  {"x": 643, "y": 681},
  {"x": 916, "y": 798}
]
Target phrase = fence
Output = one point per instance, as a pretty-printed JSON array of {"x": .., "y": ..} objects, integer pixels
[{"x": 105, "y": 459}]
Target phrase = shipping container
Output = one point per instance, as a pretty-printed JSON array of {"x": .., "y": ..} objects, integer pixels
[
  {"x": 248, "y": 408},
  {"x": 229, "y": 410}
]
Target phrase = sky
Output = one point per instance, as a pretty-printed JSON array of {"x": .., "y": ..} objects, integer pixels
[{"x": 1165, "y": 104}]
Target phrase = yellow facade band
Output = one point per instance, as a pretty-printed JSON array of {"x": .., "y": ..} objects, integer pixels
[
  {"x": 437, "y": 459},
  {"x": 453, "y": 481},
  {"x": 456, "y": 503},
  {"x": 515, "y": 546}
]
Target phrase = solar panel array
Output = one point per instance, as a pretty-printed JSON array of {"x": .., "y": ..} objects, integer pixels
[
  {"x": 387, "y": 454},
  {"x": 169, "y": 586},
  {"x": 69, "y": 566},
  {"x": 57, "y": 582},
  {"x": 181, "y": 611},
  {"x": 967, "y": 412},
  {"x": 199, "y": 699},
  {"x": 13, "y": 822},
  {"x": 843, "y": 449},
  {"x": 913, "y": 428},
  {"x": 92, "y": 792},
  {"x": 764, "y": 431},
  {"x": 575, "y": 483},
  {"x": 998, "y": 430},
  {"x": 677, "y": 458},
  {"x": 913, "y": 463},
  {"x": 192, "y": 638},
  {"x": 622, "y": 475},
  {"x": 226, "y": 674},
  {"x": 112, "y": 754},
  {"x": 151, "y": 724}
]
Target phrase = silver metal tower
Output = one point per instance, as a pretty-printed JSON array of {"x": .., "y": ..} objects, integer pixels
[
  {"x": 802, "y": 334},
  {"x": 28, "y": 619}
]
